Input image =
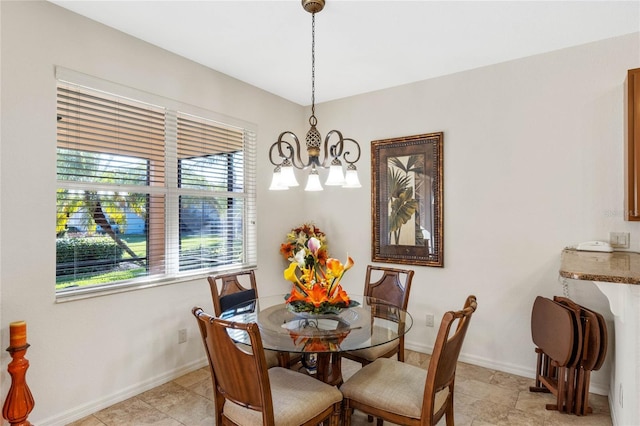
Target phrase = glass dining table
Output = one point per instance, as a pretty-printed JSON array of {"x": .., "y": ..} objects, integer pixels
[{"x": 371, "y": 323}]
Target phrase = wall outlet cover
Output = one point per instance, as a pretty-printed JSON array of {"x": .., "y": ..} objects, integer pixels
[{"x": 619, "y": 239}]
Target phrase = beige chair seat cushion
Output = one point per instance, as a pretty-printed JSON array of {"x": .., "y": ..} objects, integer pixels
[
  {"x": 375, "y": 352},
  {"x": 297, "y": 398},
  {"x": 392, "y": 386}
]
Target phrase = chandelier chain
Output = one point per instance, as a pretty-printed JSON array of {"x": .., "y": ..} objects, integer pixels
[{"x": 313, "y": 67}]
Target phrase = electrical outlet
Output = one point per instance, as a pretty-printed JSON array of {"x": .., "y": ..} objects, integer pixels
[
  {"x": 619, "y": 239},
  {"x": 429, "y": 320},
  {"x": 182, "y": 335}
]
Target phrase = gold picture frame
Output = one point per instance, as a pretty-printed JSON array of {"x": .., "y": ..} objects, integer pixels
[{"x": 407, "y": 200}]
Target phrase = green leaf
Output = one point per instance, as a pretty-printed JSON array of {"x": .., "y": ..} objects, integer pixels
[
  {"x": 402, "y": 209},
  {"x": 397, "y": 182}
]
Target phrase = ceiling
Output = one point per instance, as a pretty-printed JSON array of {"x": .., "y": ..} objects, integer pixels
[{"x": 361, "y": 46}]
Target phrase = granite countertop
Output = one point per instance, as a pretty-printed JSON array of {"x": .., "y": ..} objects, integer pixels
[{"x": 620, "y": 267}]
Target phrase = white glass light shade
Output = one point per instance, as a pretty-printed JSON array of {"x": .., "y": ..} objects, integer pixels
[
  {"x": 335, "y": 178},
  {"x": 276, "y": 182},
  {"x": 287, "y": 177},
  {"x": 313, "y": 181},
  {"x": 351, "y": 179}
]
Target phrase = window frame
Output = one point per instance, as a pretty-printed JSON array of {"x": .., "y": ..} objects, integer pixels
[{"x": 171, "y": 189}]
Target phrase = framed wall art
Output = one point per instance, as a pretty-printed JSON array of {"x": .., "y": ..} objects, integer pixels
[{"x": 407, "y": 200}]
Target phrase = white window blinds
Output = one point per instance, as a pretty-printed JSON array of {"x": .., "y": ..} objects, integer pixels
[{"x": 148, "y": 193}]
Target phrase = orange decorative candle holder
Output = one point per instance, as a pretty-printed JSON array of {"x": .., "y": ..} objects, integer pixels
[{"x": 19, "y": 402}]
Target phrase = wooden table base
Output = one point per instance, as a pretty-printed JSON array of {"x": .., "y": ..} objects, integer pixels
[{"x": 330, "y": 368}]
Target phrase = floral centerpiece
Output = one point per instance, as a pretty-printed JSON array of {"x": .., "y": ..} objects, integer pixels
[{"x": 315, "y": 276}]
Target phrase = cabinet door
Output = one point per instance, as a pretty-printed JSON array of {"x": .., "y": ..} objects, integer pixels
[{"x": 632, "y": 175}]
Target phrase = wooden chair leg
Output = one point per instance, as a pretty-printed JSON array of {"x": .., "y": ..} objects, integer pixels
[
  {"x": 334, "y": 420},
  {"x": 448, "y": 414},
  {"x": 346, "y": 414}
]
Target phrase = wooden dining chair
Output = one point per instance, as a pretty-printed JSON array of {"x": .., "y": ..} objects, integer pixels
[
  {"x": 393, "y": 286},
  {"x": 232, "y": 289},
  {"x": 405, "y": 394},
  {"x": 246, "y": 392}
]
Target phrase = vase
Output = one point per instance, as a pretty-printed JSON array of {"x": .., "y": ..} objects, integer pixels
[
  {"x": 310, "y": 362},
  {"x": 307, "y": 310}
]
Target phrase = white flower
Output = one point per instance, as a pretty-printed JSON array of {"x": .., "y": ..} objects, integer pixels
[{"x": 299, "y": 258}]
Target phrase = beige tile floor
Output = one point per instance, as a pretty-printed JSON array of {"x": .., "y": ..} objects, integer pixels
[{"x": 483, "y": 397}]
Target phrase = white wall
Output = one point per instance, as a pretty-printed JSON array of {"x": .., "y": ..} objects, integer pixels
[
  {"x": 533, "y": 159},
  {"x": 88, "y": 354},
  {"x": 533, "y": 162}
]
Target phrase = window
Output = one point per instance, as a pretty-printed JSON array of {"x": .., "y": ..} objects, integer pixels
[{"x": 148, "y": 193}]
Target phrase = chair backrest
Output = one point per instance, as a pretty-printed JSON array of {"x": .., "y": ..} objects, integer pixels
[
  {"x": 442, "y": 366},
  {"x": 393, "y": 285},
  {"x": 227, "y": 290},
  {"x": 237, "y": 376}
]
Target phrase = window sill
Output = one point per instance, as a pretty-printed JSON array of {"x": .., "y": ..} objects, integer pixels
[{"x": 81, "y": 293}]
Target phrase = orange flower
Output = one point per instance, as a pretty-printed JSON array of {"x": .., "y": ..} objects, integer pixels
[
  {"x": 295, "y": 296},
  {"x": 337, "y": 270},
  {"x": 339, "y": 295},
  {"x": 286, "y": 249},
  {"x": 317, "y": 295},
  {"x": 349, "y": 264},
  {"x": 322, "y": 256},
  {"x": 335, "y": 266}
]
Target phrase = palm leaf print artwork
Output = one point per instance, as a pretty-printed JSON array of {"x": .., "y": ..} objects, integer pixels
[{"x": 404, "y": 178}]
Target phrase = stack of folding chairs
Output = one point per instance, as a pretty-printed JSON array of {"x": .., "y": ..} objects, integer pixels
[{"x": 571, "y": 341}]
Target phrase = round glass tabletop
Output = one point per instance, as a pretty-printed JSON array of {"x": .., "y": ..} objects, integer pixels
[{"x": 373, "y": 322}]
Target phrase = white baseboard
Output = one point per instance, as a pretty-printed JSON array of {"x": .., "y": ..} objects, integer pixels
[
  {"x": 61, "y": 419},
  {"x": 518, "y": 370}
]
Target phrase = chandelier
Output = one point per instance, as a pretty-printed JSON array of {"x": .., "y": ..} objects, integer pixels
[{"x": 287, "y": 149}]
